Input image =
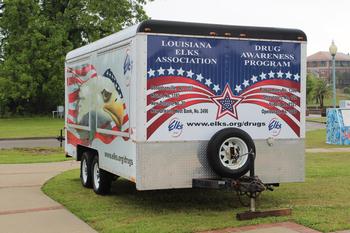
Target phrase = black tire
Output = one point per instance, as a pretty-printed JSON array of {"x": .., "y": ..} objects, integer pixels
[
  {"x": 85, "y": 170},
  {"x": 101, "y": 185},
  {"x": 224, "y": 149}
]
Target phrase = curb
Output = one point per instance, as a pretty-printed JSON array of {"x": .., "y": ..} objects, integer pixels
[
  {"x": 323, "y": 123},
  {"x": 27, "y": 138},
  {"x": 266, "y": 227},
  {"x": 328, "y": 150}
]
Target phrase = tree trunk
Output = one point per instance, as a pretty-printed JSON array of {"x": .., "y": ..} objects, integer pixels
[{"x": 321, "y": 101}]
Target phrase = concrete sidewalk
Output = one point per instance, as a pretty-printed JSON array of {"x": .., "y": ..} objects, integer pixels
[
  {"x": 326, "y": 150},
  {"x": 24, "y": 208},
  {"x": 283, "y": 227},
  {"x": 29, "y": 143}
]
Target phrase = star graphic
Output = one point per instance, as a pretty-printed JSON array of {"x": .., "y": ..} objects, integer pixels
[
  {"x": 151, "y": 72},
  {"x": 271, "y": 74},
  {"x": 161, "y": 71},
  {"x": 199, "y": 77},
  {"x": 262, "y": 76},
  {"x": 246, "y": 83},
  {"x": 216, "y": 88},
  {"x": 190, "y": 74},
  {"x": 208, "y": 82},
  {"x": 171, "y": 70},
  {"x": 238, "y": 88},
  {"x": 280, "y": 74},
  {"x": 180, "y": 71},
  {"x": 255, "y": 78},
  {"x": 288, "y": 75},
  {"x": 296, "y": 77},
  {"x": 227, "y": 103}
]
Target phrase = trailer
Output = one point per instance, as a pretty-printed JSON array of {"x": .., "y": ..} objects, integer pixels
[{"x": 163, "y": 103}]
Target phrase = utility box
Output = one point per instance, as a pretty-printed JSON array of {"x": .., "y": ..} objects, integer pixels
[{"x": 338, "y": 126}]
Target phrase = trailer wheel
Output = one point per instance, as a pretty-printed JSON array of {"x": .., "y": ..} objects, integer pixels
[
  {"x": 101, "y": 180},
  {"x": 228, "y": 152},
  {"x": 85, "y": 170}
]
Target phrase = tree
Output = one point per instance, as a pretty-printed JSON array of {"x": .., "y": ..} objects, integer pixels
[
  {"x": 19, "y": 32},
  {"x": 4, "y": 85},
  {"x": 321, "y": 90},
  {"x": 37, "y": 34},
  {"x": 311, "y": 81},
  {"x": 87, "y": 21}
]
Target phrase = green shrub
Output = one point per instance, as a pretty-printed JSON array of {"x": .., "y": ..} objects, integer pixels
[{"x": 347, "y": 90}]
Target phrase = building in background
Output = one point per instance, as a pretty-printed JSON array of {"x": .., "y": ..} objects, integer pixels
[{"x": 320, "y": 64}]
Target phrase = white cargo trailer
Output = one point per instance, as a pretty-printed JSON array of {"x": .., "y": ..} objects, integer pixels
[{"x": 162, "y": 103}]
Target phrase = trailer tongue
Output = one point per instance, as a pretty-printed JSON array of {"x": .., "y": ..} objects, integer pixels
[{"x": 249, "y": 186}]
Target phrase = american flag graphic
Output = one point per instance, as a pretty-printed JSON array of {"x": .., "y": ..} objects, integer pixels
[
  {"x": 77, "y": 77},
  {"x": 270, "y": 91}
]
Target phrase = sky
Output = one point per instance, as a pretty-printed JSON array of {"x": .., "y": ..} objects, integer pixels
[{"x": 321, "y": 20}]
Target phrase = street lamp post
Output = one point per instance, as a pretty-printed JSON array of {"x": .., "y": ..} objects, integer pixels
[{"x": 333, "y": 52}]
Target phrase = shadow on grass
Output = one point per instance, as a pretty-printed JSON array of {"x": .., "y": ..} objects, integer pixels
[{"x": 174, "y": 200}]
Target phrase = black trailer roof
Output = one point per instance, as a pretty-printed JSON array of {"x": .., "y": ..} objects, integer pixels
[{"x": 200, "y": 29}]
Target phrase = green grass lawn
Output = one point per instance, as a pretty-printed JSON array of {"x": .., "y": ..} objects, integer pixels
[
  {"x": 321, "y": 202},
  {"x": 317, "y": 119},
  {"x": 30, "y": 127},
  {"x": 31, "y": 155},
  {"x": 317, "y": 139},
  {"x": 340, "y": 95}
]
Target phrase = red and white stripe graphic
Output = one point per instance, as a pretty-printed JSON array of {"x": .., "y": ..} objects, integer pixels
[
  {"x": 270, "y": 94},
  {"x": 188, "y": 91}
]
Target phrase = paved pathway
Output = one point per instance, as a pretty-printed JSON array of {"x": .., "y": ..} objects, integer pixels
[
  {"x": 27, "y": 143},
  {"x": 25, "y": 209},
  {"x": 314, "y": 125},
  {"x": 284, "y": 227},
  {"x": 326, "y": 150}
]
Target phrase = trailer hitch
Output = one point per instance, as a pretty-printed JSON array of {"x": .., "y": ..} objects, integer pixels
[
  {"x": 253, "y": 188},
  {"x": 250, "y": 186}
]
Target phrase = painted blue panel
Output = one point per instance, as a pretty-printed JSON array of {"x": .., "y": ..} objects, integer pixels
[{"x": 337, "y": 132}]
